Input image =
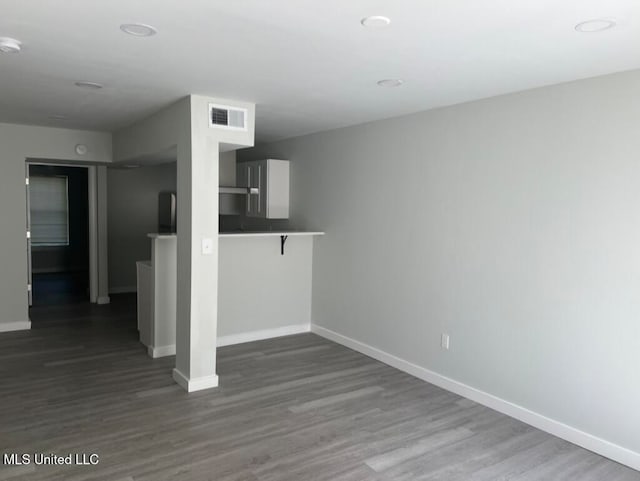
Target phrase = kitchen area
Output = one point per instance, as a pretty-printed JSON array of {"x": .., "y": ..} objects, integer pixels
[
  {"x": 264, "y": 263},
  {"x": 205, "y": 237}
]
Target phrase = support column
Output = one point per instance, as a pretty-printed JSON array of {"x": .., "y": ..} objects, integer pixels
[
  {"x": 186, "y": 125},
  {"x": 197, "y": 297}
]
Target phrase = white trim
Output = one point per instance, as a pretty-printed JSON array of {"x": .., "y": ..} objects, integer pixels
[
  {"x": 263, "y": 334},
  {"x": 92, "y": 197},
  {"x": 123, "y": 290},
  {"x": 104, "y": 300},
  {"x": 15, "y": 326},
  {"x": 588, "y": 441},
  {"x": 161, "y": 351},
  {"x": 198, "y": 384}
]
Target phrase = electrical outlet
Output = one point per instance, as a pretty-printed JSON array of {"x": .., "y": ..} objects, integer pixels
[
  {"x": 444, "y": 342},
  {"x": 207, "y": 247}
]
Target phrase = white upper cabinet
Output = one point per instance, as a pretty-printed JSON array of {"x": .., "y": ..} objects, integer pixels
[{"x": 271, "y": 178}]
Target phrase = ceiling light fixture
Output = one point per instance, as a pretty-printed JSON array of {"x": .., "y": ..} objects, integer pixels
[
  {"x": 596, "y": 25},
  {"x": 390, "y": 82},
  {"x": 375, "y": 21},
  {"x": 138, "y": 29},
  {"x": 89, "y": 85},
  {"x": 10, "y": 45}
]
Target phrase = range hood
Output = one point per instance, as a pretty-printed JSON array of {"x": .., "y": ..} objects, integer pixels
[{"x": 231, "y": 200}]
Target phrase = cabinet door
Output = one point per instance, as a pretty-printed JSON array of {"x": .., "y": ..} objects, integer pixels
[
  {"x": 242, "y": 181},
  {"x": 252, "y": 175},
  {"x": 262, "y": 198},
  {"x": 277, "y": 189},
  {"x": 244, "y": 172},
  {"x": 271, "y": 177}
]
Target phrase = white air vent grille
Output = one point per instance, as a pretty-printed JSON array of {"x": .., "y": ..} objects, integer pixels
[
  {"x": 219, "y": 116},
  {"x": 225, "y": 117}
]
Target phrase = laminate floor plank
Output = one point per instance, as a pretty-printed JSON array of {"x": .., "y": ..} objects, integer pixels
[{"x": 296, "y": 408}]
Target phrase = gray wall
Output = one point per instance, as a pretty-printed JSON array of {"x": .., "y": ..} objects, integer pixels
[
  {"x": 513, "y": 224},
  {"x": 133, "y": 213},
  {"x": 258, "y": 288},
  {"x": 227, "y": 168}
]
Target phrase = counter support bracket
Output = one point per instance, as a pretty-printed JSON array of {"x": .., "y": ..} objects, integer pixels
[{"x": 283, "y": 240}]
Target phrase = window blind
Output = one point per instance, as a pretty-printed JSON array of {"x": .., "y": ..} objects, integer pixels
[{"x": 49, "y": 206}]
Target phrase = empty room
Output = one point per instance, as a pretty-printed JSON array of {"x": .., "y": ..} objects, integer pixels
[{"x": 319, "y": 240}]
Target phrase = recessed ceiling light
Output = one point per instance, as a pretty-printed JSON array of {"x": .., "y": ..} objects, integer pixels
[
  {"x": 89, "y": 85},
  {"x": 596, "y": 25},
  {"x": 390, "y": 82},
  {"x": 375, "y": 21},
  {"x": 138, "y": 29},
  {"x": 10, "y": 45}
]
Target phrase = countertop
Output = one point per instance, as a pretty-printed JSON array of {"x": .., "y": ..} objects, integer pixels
[
  {"x": 247, "y": 234},
  {"x": 268, "y": 233}
]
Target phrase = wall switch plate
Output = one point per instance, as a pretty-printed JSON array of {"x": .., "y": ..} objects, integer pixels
[
  {"x": 444, "y": 341},
  {"x": 207, "y": 247}
]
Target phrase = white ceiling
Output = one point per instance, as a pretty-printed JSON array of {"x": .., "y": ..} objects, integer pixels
[{"x": 308, "y": 64}]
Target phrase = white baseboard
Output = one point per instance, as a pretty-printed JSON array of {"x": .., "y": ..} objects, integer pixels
[
  {"x": 123, "y": 290},
  {"x": 263, "y": 334},
  {"x": 161, "y": 351},
  {"x": 103, "y": 300},
  {"x": 197, "y": 384},
  {"x": 588, "y": 441},
  {"x": 15, "y": 326}
]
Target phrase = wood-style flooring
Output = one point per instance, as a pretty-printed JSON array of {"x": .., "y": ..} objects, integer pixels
[{"x": 293, "y": 408}]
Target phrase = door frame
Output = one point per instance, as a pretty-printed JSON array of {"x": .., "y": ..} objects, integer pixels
[
  {"x": 92, "y": 199},
  {"x": 28, "y": 236}
]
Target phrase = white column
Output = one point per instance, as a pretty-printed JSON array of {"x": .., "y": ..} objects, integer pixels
[{"x": 197, "y": 297}]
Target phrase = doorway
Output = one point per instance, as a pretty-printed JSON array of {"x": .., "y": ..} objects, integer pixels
[{"x": 58, "y": 218}]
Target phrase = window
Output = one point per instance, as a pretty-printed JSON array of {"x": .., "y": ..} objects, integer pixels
[{"x": 49, "y": 205}]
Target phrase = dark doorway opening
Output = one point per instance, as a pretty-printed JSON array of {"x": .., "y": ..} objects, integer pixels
[{"x": 59, "y": 217}]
